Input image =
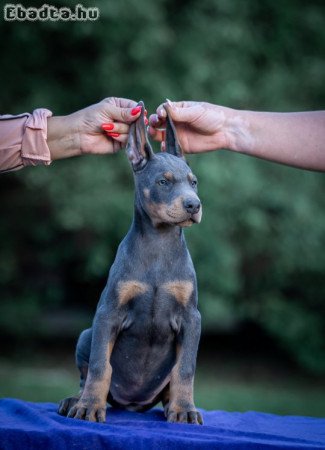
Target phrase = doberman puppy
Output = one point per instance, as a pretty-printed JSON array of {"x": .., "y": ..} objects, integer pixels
[{"x": 143, "y": 343}]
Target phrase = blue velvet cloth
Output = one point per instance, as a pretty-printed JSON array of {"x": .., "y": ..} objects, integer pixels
[{"x": 25, "y": 425}]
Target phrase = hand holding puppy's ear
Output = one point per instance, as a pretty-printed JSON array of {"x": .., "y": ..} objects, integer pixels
[
  {"x": 200, "y": 126},
  {"x": 102, "y": 128}
]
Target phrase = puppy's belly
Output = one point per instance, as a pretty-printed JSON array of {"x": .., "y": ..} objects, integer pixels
[
  {"x": 126, "y": 396},
  {"x": 140, "y": 369}
]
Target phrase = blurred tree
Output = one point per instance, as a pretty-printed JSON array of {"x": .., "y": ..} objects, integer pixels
[{"x": 258, "y": 251}]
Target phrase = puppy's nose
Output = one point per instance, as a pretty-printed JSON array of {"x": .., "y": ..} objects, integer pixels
[{"x": 192, "y": 205}]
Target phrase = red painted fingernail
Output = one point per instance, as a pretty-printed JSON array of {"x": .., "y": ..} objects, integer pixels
[
  {"x": 113, "y": 134},
  {"x": 145, "y": 112},
  {"x": 146, "y": 121},
  {"x": 136, "y": 110},
  {"x": 108, "y": 126}
]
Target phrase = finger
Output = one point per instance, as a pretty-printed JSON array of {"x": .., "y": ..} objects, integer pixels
[
  {"x": 125, "y": 115},
  {"x": 116, "y": 127},
  {"x": 117, "y": 142},
  {"x": 181, "y": 114},
  {"x": 161, "y": 112},
  {"x": 156, "y": 135},
  {"x": 122, "y": 139},
  {"x": 113, "y": 134},
  {"x": 155, "y": 121}
]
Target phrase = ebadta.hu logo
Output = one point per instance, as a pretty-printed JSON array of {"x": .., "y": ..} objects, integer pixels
[{"x": 13, "y": 12}]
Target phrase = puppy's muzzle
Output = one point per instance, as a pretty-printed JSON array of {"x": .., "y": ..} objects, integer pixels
[{"x": 193, "y": 207}]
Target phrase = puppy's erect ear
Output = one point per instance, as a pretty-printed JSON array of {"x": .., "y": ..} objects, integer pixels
[
  {"x": 172, "y": 144},
  {"x": 138, "y": 148}
]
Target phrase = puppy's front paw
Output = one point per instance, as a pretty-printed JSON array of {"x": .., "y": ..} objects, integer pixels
[
  {"x": 191, "y": 416},
  {"x": 87, "y": 410}
]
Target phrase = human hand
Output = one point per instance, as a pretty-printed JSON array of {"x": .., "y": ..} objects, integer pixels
[
  {"x": 98, "y": 129},
  {"x": 200, "y": 126}
]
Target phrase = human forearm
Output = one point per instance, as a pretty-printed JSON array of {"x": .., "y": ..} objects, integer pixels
[
  {"x": 296, "y": 139},
  {"x": 62, "y": 137}
]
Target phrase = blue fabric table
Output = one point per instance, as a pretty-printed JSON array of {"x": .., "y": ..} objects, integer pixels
[{"x": 25, "y": 425}]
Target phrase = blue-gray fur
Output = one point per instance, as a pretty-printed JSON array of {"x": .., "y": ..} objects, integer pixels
[{"x": 154, "y": 335}]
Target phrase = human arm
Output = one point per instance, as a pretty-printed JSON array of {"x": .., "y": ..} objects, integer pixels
[
  {"x": 295, "y": 139},
  {"x": 84, "y": 132},
  {"x": 39, "y": 138}
]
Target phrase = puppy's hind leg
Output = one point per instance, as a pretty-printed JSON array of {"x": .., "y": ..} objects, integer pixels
[
  {"x": 165, "y": 399},
  {"x": 83, "y": 354},
  {"x": 82, "y": 360}
]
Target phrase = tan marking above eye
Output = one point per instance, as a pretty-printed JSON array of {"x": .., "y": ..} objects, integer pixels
[
  {"x": 146, "y": 192},
  {"x": 190, "y": 176},
  {"x": 127, "y": 290},
  {"x": 181, "y": 290},
  {"x": 169, "y": 176}
]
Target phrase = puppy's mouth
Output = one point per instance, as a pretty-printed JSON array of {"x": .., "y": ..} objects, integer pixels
[{"x": 187, "y": 221}]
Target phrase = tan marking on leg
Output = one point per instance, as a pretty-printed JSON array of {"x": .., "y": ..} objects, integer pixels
[
  {"x": 108, "y": 368},
  {"x": 181, "y": 290},
  {"x": 92, "y": 403},
  {"x": 180, "y": 391},
  {"x": 127, "y": 290}
]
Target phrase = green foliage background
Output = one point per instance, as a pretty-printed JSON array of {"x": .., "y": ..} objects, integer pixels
[{"x": 259, "y": 251}]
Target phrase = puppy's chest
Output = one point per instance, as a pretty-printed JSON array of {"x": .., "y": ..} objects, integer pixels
[
  {"x": 153, "y": 312},
  {"x": 158, "y": 296}
]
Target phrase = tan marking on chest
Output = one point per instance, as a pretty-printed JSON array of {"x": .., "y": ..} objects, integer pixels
[
  {"x": 181, "y": 290},
  {"x": 127, "y": 290}
]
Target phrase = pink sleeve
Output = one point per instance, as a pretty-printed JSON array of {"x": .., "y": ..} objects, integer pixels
[{"x": 23, "y": 140}]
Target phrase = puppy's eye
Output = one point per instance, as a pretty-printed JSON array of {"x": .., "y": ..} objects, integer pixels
[
  {"x": 193, "y": 183},
  {"x": 162, "y": 182}
]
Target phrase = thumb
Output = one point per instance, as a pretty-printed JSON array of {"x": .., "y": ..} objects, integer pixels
[
  {"x": 126, "y": 115},
  {"x": 184, "y": 114}
]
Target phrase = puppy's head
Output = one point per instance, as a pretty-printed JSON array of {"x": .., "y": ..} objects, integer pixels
[{"x": 166, "y": 188}]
